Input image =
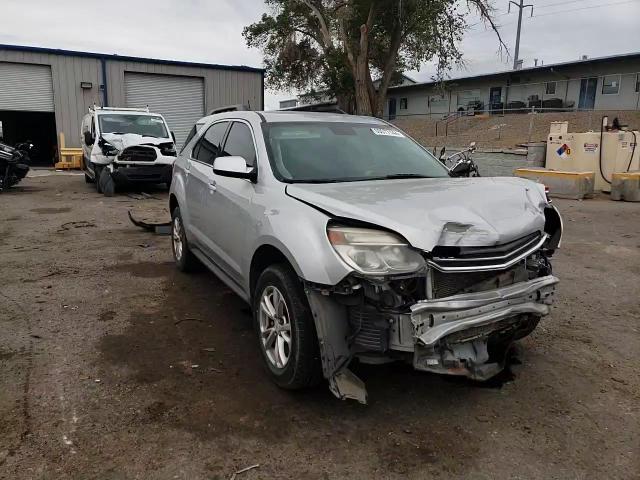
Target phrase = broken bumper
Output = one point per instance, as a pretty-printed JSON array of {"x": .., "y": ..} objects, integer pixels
[
  {"x": 450, "y": 335},
  {"x": 133, "y": 173}
]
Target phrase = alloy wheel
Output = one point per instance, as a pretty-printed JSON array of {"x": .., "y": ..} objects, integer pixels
[{"x": 275, "y": 327}]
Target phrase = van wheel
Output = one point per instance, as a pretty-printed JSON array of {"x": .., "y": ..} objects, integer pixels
[
  {"x": 186, "y": 261},
  {"x": 106, "y": 183},
  {"x": 97, "y": 170},
  {"x": 286, "y": 330},
  {"x": 87, "y": 178}
]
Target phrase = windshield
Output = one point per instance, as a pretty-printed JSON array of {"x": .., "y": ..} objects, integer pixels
[
  {"x": 346, "y": 152},
  {"x": 147, "y": 125}
]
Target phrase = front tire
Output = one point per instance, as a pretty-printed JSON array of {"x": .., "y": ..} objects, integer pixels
[
  {"x": 185, "y": 260},
  {"x": 97, "y": 170},
  {"x": 286, "y": 331}
]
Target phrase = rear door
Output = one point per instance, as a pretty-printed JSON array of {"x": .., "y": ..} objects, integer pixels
[
  {"x": 228, "y": 208},
  {"x": 200, "y": 183}
]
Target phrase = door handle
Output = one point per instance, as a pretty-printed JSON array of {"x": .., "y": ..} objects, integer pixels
[{"x": 212, "y": 186}]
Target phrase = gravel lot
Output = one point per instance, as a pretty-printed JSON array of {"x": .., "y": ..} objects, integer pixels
[{"x": 113, "y": 365}]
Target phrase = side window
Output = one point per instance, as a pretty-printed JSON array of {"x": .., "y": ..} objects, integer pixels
[
  {"x": 208, "y": 148},
  {"x": 192, "y": 134},
  {"x": 240, "y": 142}
]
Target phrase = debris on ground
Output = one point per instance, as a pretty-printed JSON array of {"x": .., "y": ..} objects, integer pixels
[
  {"x": 244, "y": 470},
  {"x": 80, "y": 224},
  {"x": 163, "y": 228}
]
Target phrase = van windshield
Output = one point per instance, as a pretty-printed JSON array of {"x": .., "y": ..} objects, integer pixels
[
  {"x": 147, "y": 125},
  {"x": 324, "y": 152}
]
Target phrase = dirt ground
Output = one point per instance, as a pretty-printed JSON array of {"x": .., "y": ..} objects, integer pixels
[{"x": 113, "y": 365}]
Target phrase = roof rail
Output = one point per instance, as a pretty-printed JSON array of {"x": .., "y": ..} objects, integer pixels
[
  {"x": 328, "y": 107},
  {"x": 230, "y": 108},
  {"x": 95, "y": 107}
]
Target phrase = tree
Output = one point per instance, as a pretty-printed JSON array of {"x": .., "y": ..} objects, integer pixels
[{"x": 340, "y": 46}]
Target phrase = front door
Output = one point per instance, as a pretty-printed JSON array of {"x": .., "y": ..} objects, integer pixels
[
  {"x": 201, "y": 184},
  {"x": 392, "y": 108},
  {"x": 588, "y": 90},
  {"x": 228, "y": 208},
  {"x": 495, "y": 98}
]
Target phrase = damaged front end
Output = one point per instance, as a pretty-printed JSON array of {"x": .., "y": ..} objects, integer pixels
[
  {"x": 138, "y": 158},
  {"x": 457, "y": 314}
]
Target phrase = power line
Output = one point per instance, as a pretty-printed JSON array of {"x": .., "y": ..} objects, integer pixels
[
  {"x": 551, "y": 13},
  {"x": 586, "y": 8}
]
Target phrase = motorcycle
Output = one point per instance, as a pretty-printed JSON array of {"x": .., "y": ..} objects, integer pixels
[
  {"x": 13, "y": 163},
  {"x": 460, "y": 164}
]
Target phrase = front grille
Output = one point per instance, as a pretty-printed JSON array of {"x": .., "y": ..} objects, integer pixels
[
  {"x": 138, "y": 153},
  {"x": 446, "y": 284},
  {"x": 448, "y": 258}
]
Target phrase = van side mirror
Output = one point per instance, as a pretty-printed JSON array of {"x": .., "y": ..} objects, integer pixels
[
  {"x": 235, "y": 167},
  {"x": 89, "y": 139}
]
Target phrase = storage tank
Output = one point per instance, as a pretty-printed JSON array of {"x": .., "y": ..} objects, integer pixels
[{"x": 579, "y": 152}]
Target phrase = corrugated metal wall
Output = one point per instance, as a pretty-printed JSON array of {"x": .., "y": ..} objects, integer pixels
[
  {"x": 70, "y": 101},
  {"x": 222, "y": 87}
]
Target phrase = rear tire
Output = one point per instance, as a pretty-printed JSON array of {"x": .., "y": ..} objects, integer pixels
[
  {"x": 185, "y": 260},
  {"x": 286, "y": 331},
  {"x": 87, "y": 178}
]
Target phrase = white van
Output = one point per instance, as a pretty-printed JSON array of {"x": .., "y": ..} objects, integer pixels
[{"x": 126, "y": 145}]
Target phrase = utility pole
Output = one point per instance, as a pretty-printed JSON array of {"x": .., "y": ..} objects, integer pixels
[{"x": 520, "y": 6}]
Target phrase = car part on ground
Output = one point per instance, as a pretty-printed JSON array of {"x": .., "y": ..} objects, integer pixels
[
  {"x": 160, "y": 228},
  {"x": 346, "y": 230}
]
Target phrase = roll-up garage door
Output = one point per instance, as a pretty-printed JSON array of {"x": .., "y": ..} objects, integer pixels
[
  {"x": 179, "y": 99},
  {"x": 25, "y": 87}
]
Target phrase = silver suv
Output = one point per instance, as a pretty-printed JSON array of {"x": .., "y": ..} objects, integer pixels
[{"x": 350, "y": 240}]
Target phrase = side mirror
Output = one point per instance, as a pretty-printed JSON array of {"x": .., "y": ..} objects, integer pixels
[
  {"x": 235, "y": 167},
  {"x": 472, "y": 146},
  {"x": 88, "y": 138},
  {"x": 461, "y": 169},
  {"x": 442, "y": 152}
]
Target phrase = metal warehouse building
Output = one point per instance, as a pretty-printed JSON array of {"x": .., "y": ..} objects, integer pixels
[{"x": 46, "y": 92}]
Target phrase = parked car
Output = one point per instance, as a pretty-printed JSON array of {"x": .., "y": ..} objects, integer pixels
[
  {"x": 350, "y": 240},
  {"x": 121, "y": 146}
]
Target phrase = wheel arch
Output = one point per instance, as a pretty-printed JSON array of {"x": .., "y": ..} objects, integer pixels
[
  {"x": 265, "y": 256},
  {"x": 173, "y": 202}
]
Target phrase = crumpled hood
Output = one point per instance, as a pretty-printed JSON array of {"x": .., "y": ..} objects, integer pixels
[
  {"x": 436, "y": 211},
  {"x": 122, "y": 141}
]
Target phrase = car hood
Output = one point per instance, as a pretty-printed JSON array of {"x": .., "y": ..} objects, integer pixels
[
  {"x": 124, "y": 140},
  {"x": 436, "y": 211}
]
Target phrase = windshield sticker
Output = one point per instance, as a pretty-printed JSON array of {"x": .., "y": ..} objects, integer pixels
[{"x": 387, "y": 132}]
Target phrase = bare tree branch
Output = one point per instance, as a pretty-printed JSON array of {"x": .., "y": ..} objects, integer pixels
[{"x": 324, "y": 30}]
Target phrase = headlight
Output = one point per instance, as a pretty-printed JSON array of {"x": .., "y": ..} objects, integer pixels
[
  {"x": 374, "y": 252},
  {"x": 168, "y": 149},
  {"x": 108, "y": 150}
]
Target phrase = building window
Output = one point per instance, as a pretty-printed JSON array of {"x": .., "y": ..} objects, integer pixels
[
  {"x": 403, "y": 103},
  {"x": 611, "y": 84},
  {"x": 550, "y": 88}
]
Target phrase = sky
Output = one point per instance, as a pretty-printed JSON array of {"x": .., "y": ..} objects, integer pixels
[{"x": 210, "y": 31}]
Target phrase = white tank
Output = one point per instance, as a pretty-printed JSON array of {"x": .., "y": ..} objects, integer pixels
[{"x": 580, "y": 152}]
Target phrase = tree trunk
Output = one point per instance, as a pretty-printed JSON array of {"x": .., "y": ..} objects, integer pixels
[{"x": 363, "y": 100}]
